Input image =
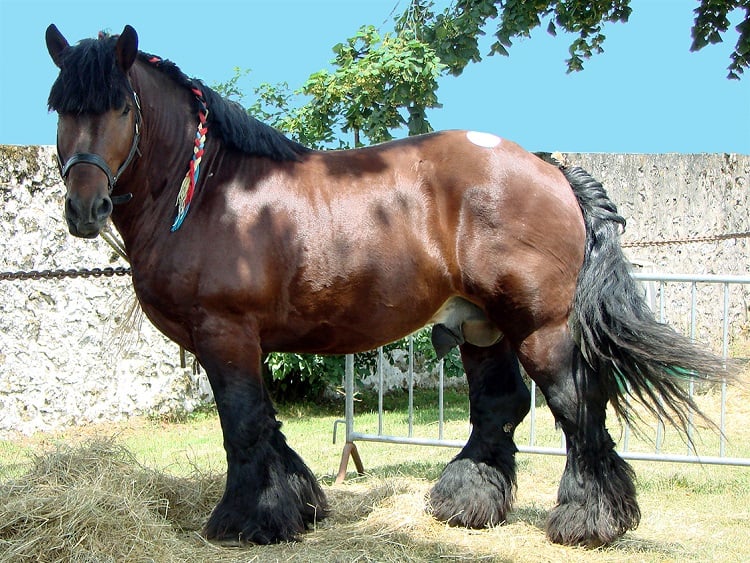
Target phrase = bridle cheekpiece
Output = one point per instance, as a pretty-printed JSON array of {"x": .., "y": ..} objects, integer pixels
[{"x": 99, "y": 162}]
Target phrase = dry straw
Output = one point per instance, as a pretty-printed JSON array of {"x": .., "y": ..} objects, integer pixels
[{"x": 96, "y": 503}]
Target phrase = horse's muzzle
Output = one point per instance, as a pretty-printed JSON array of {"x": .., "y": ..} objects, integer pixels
[{"x": 86, "y": 218}]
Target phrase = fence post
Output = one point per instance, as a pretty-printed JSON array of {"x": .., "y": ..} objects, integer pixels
[{"x": 350, "y": 448}]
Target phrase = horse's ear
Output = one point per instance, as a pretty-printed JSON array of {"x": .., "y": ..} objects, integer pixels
[
  {"x": 127, "y": 48},
  {"x": 56, "y": 44}
]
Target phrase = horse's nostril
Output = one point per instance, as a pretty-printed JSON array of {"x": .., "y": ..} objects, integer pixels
[
  {"x": 70, "y": 210},
  {"x": 104, "y": 209}
]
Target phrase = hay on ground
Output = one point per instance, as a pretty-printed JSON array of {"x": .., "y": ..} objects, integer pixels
[{"x": 97, "y": 503}]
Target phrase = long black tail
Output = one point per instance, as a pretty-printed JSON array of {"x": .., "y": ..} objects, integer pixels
[{"x": 634, "y": 355}]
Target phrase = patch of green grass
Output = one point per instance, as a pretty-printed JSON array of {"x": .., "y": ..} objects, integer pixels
[
  {"x": 427, "y": 470},
  {"x": 205, "y": 410},
  {"x": 694, "y": 480}
]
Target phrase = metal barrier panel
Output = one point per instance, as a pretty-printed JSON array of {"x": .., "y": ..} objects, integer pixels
[{"x": 691, "y": 290}]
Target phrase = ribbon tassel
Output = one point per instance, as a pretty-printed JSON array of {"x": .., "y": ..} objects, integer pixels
[{"x": 189, "y": 183}]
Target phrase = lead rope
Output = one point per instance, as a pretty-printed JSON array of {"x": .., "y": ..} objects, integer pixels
[
  {"x": 111, "y": 238},
  {"x": 187, "y": 189}
]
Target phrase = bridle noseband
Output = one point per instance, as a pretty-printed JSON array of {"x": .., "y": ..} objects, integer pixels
[{"x": 99, "y": 162}]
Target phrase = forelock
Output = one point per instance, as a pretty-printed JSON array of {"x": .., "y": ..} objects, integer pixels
[{"x": 90, "y": 80}]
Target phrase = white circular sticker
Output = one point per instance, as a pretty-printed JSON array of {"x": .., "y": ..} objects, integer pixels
[{"x": 487, "y": 140}]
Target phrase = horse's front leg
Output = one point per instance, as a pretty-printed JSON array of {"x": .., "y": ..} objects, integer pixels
[
  {"x": 476, "y": 489},
  {"x": 271, "y": 495}
]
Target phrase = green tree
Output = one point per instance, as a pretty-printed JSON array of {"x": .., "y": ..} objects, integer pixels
[
  {"x": 712, "y": 21},
  {"x": 378, "y": 83},
  {"x": 454, "y": 33}
]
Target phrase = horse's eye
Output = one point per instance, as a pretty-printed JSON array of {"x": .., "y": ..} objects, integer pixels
[{"x": 126, "y": 110}]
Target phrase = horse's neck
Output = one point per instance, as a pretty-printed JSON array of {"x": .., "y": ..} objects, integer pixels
[{"x": 165, "y": 151}]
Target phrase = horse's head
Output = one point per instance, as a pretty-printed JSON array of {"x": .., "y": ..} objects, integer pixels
[{"x": 99, "y": 123}]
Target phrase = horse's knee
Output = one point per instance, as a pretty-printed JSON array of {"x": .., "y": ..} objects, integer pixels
[{"x": 578, "y": 402}]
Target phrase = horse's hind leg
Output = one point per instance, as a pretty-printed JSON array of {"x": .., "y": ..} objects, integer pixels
[
  {"x": 476, "y": 488},
  {"x": 270, "y": 496},
  {"x": 596, "y": 501}
]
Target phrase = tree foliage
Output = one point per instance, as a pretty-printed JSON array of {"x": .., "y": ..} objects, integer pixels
[
  {"x": 381, "y": 82},
  {"x": 378, "y": 83},
  {"x": 295, "y": 377},
  {"x": 712, "y": 21},
  {"x": 454, "y": 33}
]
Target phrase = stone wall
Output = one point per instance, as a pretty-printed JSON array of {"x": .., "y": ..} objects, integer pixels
[
  {"x": 676, "y": 197},
  {"x": 70, "y": 353}
]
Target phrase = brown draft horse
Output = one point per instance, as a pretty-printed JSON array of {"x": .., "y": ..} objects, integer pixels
[{"x": 289, "y": 249}]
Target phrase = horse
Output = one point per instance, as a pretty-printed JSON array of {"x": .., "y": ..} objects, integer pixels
[{"x": 243, "y": 242}]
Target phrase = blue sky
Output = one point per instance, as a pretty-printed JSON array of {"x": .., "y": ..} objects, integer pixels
[{"x": 647, "y": 93}]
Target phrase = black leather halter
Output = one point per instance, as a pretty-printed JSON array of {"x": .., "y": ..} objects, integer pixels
[{"x": 99, "y": 162}]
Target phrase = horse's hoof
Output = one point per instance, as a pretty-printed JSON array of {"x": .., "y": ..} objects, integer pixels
[
  {"x": 596, "y": 502},
  {"x": 226, "y": 529},
  {"x": 242, "y": 519},
  {"x": 572, "y": 524},
  {"x": 471, "y": 494}
]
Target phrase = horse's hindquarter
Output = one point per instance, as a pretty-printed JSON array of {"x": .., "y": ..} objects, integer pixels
[{"x": 521, "y": 236}]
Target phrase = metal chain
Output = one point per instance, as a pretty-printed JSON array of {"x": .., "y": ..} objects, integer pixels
[
  {"x": 123, "y": 271},
  {"x": 109, "y": 236},
  {"x": 713, "y": 238},
  {"x": 71, "y": 273}
]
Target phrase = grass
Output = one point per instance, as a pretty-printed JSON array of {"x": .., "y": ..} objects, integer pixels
[{"x": 142, "y": 492}]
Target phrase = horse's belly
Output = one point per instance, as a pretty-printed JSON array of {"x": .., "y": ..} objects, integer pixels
[{"x": 457, "y": 320}]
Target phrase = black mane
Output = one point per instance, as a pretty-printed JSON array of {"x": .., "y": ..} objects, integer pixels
[{"x": 91, "y": 82}]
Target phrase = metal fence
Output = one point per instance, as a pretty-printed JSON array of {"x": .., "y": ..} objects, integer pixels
[{"x": 711, "y": 307}]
